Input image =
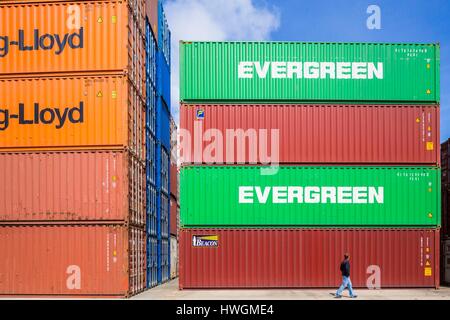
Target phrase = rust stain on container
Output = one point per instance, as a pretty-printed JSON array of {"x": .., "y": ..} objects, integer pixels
[
  {"x": 353, "y": 134},
  {"x": 297, "y": 258},
  {"x": 106, "y": 37},
  {"x": 72, "y": 187},
  {"x": 71, "y": 113},
  {"x": 72, "y": 260}
]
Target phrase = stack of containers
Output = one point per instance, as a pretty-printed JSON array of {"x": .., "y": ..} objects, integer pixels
[
  {"x": 158, "y": 143},
  {"x": 174, "y": 205},
  {"x": 72, "y": 148},
  {"x": 445, "y": 229},
  {"x": 295, "y": 153}
]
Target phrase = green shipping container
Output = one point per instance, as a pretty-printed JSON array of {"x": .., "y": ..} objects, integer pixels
[
  {"x": 281, "y": 71},
  {"x": 310, "y": 196}
]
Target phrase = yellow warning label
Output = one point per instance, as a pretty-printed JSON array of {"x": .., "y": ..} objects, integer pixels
[
  {"x": 114, "y": 19},
  {"x": 427, "y": 272},
  {"x": 430, "y": 215},
  {"x": 428, "y": 91},
  {"x": 430, "y": 146},
  {"x": 100, "y": 94},
  {"x": 100, "y": 20},
  {"x": 427, "y": 263},
  {"x": 417, "y": 120},
  {"x": 427, "y": 250},
  {"x": 429, "y": 128},
  {"x": 428, "y": 66},
  {"x": 114, "y": 94},
  {"x": 114, "y": 178}
]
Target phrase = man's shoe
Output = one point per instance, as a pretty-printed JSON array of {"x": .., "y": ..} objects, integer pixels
[
  {"x": 354, "y": 296},
  {"x": 337, "y": 297}
]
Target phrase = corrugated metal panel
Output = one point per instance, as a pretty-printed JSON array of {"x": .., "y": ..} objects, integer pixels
[
  {"x": 151, "y": 159},
  {"x": 152, "y": 11},
  {"x": 164, "y": 266},
  {"x": 164, "y": 171},
  {"x": 364, "y": 134},
  {"x": 151, "y": 109},
  {"x": 173, "y": 257},
  {"x": 163, "y": 34},
  {"x": 252, "y": 258},
  {"x": 90, "y": 46},
  {"x": 163, "y": 211},
  {"x": 152, "y": 210},
  {"x": 174, "y": 176},
  {"x": 151, "y": 49},
  {"x": 163, "y": 123},
  {"x": 71, "y": 260},
  {"x": 210, "y": 71},
  {"x": 309, "y": 196},
  {"x": 71, "y": 113},
  {"x": 174, "y": 218},
  {"x": 445, "y": 211},
  {"x": 163, "y": 79},
  {"x": 445, "y": 162},
  {"x": 72, "y": 187},
  {"x": 152, "y": 262}
]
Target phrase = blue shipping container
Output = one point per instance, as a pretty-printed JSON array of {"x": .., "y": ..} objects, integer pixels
[
  {"x": 152, "y": 262},
  {"x": 163, "y": 78},
  {"x": 163, "y": 34},
  {"x": 163, "y": 123},
  {"x": 164, "y": 265},
  {"x": 151, "y": 158},
  {"x": 152, "y": 214},
  {"x": 150, "y": 54},
  {"x": 150, "y": 111}
]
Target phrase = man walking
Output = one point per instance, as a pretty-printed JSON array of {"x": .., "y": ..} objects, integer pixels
[{"x": 346, "y": 282}]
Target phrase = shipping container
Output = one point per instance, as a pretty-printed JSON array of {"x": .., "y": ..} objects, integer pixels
[
  {"x": 174, "y": 218},
  {"x": 163, "y": 123},
  {"x": 173, "y": 142},
  {"x": 151, "y": 49},
  {"x": 152, "y": 12},
  {"x": 445, "y": 161},
  {"x": 152, "y": 262},
  {"x": 30, "y": 34},
  {"x": 346, "y": 134},
  {"x": 445, "y": 229},
  {"x": 73, "y": 260},
  {"x": 152, "y": 224},
  {"x": 281, "y": 71},
  {"x": 71, "y": 113},
  {"x": 151, "y": 158},
  {"x": 163, "y": 205},
  {"x": 162, "y": 169},
  {"x": 164, "y": 35},
  {"x": 173, "y": 257},
  {"x": 174, "y": 177},
  {"x": 308, "y": 258},
  {"x": 163, "y": 78},
  {"x": 151, "y": 104},
  {"x": 164, "y": 260},
  {"x": 75, "y": 187},
  {"x": 310, "y": 196}
]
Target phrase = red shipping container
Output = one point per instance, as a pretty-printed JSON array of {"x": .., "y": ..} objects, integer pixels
[
  {"x": 174, "y": 178},
  {"x": 174, "y": 216},
  {"x": 72, "y": 260},
  {"x": 102, "y": 186},
  {"x": 319, "y": 134},
  {"x": 297, "y": 258}
]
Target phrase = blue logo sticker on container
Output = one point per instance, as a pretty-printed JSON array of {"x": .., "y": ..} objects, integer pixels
[{"x": 200, "y": 114}]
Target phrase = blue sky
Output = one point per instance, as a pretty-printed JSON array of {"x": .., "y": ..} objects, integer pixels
[{"x": 319, "y": 20}]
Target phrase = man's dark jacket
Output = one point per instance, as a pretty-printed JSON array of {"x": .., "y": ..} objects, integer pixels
[{"x": 345, "y": 268}]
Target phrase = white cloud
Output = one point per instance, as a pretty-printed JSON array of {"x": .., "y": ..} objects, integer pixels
[{"x": 217, "y": 20}]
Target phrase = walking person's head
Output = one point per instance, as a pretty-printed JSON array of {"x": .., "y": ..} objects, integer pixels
[{"x": 346, "y": 256}]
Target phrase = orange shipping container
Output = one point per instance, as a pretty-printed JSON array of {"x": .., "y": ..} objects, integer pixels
[
  {"x": 83, "y": 36},
  {"x": 75, "y": 187},
  {"x": 71, "y": 113},
  {"x": 72, "y": 260}
]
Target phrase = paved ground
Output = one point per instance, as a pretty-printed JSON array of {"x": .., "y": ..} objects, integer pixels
[{"x": 169, "y": 291}]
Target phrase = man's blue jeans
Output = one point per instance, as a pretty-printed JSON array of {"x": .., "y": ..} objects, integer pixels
[{"x": 346, "y": 283}]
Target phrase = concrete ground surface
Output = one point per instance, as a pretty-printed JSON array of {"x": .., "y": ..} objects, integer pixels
[{"x": 169, "y": 291}]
